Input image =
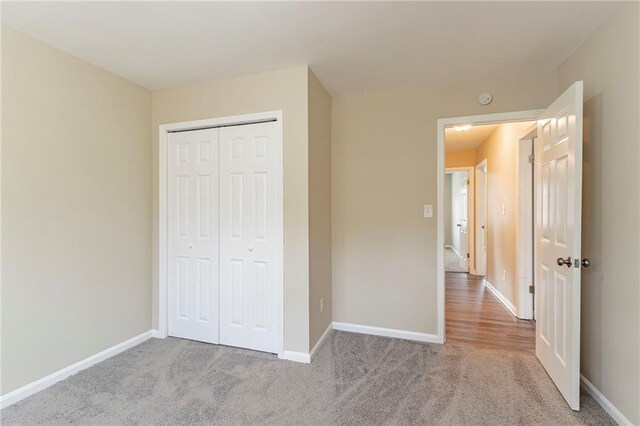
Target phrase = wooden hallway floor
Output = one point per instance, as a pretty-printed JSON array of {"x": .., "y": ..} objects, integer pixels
[{"x": 475, "y": 317}]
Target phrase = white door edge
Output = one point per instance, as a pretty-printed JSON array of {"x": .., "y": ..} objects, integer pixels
[{"x": 480, "y": 233}]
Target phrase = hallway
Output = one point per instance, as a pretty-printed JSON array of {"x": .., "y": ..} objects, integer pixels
[{"x": 475, "y": 317}]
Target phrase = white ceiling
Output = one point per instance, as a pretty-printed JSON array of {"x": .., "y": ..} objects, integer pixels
[
  {"x": 469, "y": 139},
  {"x": 351, "y": 46}
]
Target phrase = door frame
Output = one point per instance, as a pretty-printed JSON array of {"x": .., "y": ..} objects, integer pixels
[
  {"x": 163, "y": 246},
  {"x": 471, "y": 214},
  {"x": 525, "y": 220},
  {"x": 478, "y": 230},
  {"x": 529, "y": 115}
]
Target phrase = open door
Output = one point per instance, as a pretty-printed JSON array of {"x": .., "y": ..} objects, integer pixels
[
  {"x": 558, "y": 181},
  {"x": 463, "y": 201}
]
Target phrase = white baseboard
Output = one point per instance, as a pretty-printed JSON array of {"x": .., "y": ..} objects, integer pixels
[
  {"x": 155, "y": 333},
  {"x": 296, "y": 357},
  {"x": 387, "y": 332},
  {"x": 501, "y": 297},
  {"x": 320, "y": 341},
  {"x": 43, "y": 383},
  {"x": 455, "y": 251},
  {"x": 604, "y": 402}
]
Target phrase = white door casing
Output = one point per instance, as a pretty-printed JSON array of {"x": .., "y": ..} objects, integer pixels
[
  {"x": 193, "y": 235},
  {"x": 248, "y": 237},
  {"x": 462, "y": 220},
  {"x": 558, "y": 183},
  {"x": 481, "y": 214},
  {"x": 525, "y": 226}
]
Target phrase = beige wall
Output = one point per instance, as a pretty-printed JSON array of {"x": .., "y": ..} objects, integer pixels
[
  {"x": 284, "y": 90},
  {"x": 76, "y": 209},
  {"x": 500, "y": 149},
  {"x": 466, "y": 158},
  {"x": 608, "y": 63},
  {"x": 319, "y": 209},
  {"x": 384, "y": 170}
]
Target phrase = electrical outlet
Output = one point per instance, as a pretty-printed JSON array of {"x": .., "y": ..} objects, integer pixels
[
  {"x": 322, "y": 304},
  {"x": 428, "y": 210}
]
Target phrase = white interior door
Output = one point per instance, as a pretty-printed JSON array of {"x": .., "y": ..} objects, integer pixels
[
  {"x": 481, "y": 219},
  {"x": 558, "y": 181},
  {"x": 248, "y": 237},
  {"x": 463, "y": 220},
  {"x": 193, "y": 235}
]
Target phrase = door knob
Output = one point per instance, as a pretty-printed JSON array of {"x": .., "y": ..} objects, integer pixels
[
  {"x": 585, "y": 263},
  {"x": 565, "y": 262}
]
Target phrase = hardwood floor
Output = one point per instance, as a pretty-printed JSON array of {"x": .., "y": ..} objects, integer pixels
[{"x": 475, "y": 317}]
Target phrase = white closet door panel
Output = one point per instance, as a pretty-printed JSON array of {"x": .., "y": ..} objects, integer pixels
[
  {"x": 193, "y": 235},
  {"x": 248, "y": 240}
]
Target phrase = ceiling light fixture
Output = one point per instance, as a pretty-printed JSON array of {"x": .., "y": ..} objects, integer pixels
[{"x": 463, "y": 128}]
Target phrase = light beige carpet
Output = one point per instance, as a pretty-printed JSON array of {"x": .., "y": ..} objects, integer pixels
[
  {"x": 354, "y": 380},
  {"x": 452, "y": 261}
]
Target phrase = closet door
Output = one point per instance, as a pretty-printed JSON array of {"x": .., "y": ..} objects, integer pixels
[
  {"x": 193, "y": 235},
  {"x": 248, "y": 237}
]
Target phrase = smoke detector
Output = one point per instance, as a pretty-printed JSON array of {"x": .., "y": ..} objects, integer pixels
[{"x": 485, "y": 98}]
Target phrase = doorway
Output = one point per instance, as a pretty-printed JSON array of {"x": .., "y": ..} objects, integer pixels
[
  {"x": 557, "y": 232},
  {"x": 481, "y": 306},
  {"x": 458, "y": 218},
  {"x": 221, "y": 232}
]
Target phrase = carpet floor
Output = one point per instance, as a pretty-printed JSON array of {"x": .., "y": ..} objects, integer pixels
[
  {"x": 354, "y": 380},
  {"x": 452, "y": 261}
]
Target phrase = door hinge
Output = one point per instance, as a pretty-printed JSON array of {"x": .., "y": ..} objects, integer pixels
[
  {"x": 468, "y": 182},
  {"x": 531, "y": 158},
  {"x": 532, "y": 289},
  {"x": 468, "y": 256}
]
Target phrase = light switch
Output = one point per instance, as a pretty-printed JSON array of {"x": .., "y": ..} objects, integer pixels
[
  {"x": 504, "y": 210},
  {"x": 428, "y": 210}
]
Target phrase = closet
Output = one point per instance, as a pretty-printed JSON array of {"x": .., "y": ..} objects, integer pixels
[{"x": 223, "y": 230}]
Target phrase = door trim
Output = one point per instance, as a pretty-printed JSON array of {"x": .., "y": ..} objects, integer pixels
[
  {"x": 525, "y": 223},
  {"x": 163, "y": 248},
  {"x": 530, "y": 115},
  {"x": 478, "y": 230}
]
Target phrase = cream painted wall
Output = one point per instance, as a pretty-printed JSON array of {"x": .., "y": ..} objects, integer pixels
[
  {"x": 319, "y": 209},
  {"x": 500, "y": 149},
  {"x": 384, "y": 170},
  {"x": 284, "y": 90},
  {"x": 76, "y": 209},
  {"x": 609, "y": 64},
  {"x": 466, "y": 158}
]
